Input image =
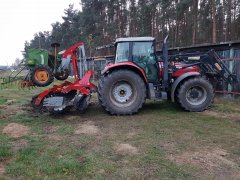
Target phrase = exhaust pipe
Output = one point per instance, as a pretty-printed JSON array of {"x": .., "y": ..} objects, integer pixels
[{"x": 165, "y": 61}]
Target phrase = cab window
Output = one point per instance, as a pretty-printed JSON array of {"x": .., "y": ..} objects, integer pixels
[
  {"x": 143, "y": 52},
  {"x": 143, "y": 55},
  {"x": 122, "y": 52}
]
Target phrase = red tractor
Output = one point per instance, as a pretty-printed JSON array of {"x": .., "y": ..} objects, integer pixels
[{"x": 138, "y": 74}]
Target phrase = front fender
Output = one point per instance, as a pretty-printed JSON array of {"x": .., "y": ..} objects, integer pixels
[
  {"x": 180, "y": 79},
  {"x": 125, "y": 65}
]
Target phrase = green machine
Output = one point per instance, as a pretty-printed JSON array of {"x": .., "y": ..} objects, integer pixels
[{"x": 43, "y": 66}]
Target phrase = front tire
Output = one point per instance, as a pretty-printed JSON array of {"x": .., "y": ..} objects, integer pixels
[
  {"x": 195, "y": 94},
  {"x": 121, "y": 92}
]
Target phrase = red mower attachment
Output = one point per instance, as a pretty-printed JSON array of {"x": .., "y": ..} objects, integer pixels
[{"x": 61, "y": 98}]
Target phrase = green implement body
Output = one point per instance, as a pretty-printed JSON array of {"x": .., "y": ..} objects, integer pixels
[
  {"x": 41, "y": 65},
  {"x": 37, "y": 57}
]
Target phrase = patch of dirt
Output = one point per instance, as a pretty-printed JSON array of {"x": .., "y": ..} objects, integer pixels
[
  {"x": 72, "y": 117},
  {"x": 211, "y": 163},
  {"x": 54, "y": 137},
  {"x": 11, "y": 101},
  {"x": 50, "y": 129},
  {"x": 34, "y": 112},
  {"x": 51, "y": 132},
  {"x": 2, "y": 116},
  {"x": 87, "y": 128},
  {"x": 236, "y": 109},
  {"x": 101, "y": 171},
  {"x": 125, "y": 149},
  {"x": 10, "y": 110},
  {"x": 3, "y": 106},
  {"x": 211, "y": 113},
  {"x": 20, "y": 144},
  {"x": 15, "y": 130},
  {"x": 168, "y": 146},
  {"x": 232, "y": 116},
  {"x": 2, "y": 169},
  {"x": 131, "y": 134}
]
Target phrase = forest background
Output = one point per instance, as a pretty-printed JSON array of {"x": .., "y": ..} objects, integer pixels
[{"x": 187, "y": 22}]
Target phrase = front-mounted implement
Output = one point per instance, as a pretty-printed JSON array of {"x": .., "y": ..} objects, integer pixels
[{"x": 63, "y": 97}]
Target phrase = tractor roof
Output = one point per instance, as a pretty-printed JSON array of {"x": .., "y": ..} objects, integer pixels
[{"x": 134, "y": 39}]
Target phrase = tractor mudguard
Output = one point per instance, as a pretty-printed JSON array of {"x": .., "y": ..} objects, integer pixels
[
  {"x": 179, "y": 79},
  {"x": 125, "y": 65}
]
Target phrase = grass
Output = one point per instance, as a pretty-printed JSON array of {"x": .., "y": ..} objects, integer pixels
[
  {"x": 48, "y": 162},
  {"x": 5, "y": 151},
  {"x": 3, "y": 100},
  {"x": 161, "y": 130}
]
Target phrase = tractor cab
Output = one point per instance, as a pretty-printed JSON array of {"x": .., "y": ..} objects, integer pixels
[{"x": 139, "y": 51}]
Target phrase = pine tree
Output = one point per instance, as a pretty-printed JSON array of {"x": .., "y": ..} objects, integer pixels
[{"x": 187, "y": 22}]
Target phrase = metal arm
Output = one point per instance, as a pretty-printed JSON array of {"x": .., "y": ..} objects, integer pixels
[
  {"x": 209, "y": 62},
  {"x": 70, "y": 55}
]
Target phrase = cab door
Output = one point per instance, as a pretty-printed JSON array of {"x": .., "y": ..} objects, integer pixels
[{"x": 143, "y": 54}]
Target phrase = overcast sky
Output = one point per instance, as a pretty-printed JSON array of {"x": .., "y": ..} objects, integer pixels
[{"x": 21, "y": 19}]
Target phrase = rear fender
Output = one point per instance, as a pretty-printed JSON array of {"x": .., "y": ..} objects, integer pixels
[
  {"x": 179, "y": 80},
  {"x": 127, "y": 65}
]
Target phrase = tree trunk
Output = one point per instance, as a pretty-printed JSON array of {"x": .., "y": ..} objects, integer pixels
[
  {"x": 195, "y": 20},
  {"x": 214, "y": 29},
  {"x": 132, "y": 18},
  {"x": 229, "y": 18}
]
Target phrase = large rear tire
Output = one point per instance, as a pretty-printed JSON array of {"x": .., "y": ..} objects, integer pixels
[
  {"x": 195, "y": 94},
  {"x": 42, "y": 75},
  {"x": 121, "y": 92}
]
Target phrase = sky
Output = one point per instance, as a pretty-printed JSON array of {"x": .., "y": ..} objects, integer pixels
[{"x": 21, "y": 19}]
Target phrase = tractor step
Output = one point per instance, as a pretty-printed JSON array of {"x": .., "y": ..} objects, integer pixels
[
  {"x": 162, "y": 95},
  {"x": 154, "y": 94}
]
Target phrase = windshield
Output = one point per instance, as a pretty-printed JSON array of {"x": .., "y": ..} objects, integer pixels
[{"x": 122, "y": 52}]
